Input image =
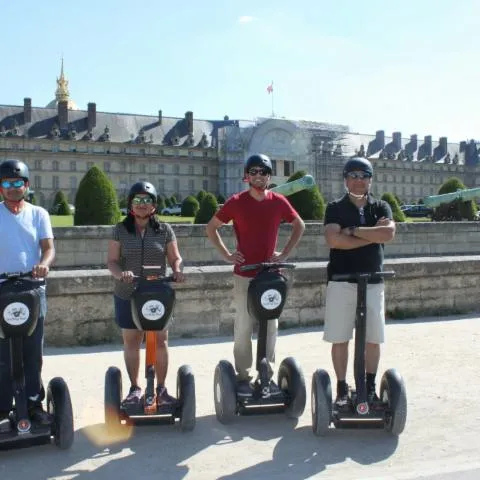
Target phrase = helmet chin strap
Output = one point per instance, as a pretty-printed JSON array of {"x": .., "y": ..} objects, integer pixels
[{"x": 356, "y": 195}]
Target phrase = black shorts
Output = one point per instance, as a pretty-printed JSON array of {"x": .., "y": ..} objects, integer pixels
[{"x": 123, "y": 313}]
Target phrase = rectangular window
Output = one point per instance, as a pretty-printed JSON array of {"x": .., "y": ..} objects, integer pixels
[
  {"x": 89, "y": 165},
  {"x": 55, "y": 182},
  {"x": 73, "y": 166},
  {"x": 73, "y": 182},
  {"x": 191, "y": 186},
  {"x": 176, "y": 169},
  {"x": 143, "y": 168},
  {"x": 161, "y": 168},
  {"x": 38, "y": 165},
  {"x": 55, "y": 166},
  {"x": 191, "y": 170},
  {"x": 205, "y": 171},
  {"x": 161, "y": 185},
  {"x": 106, "y": 166},
  {"x": 205, "y": 185},
  {"x": 274, "y": 168},
  {"x": 37, "y": 183},
  {"x": 176, "y": 185},
  {"x": 288, "y": 168}
]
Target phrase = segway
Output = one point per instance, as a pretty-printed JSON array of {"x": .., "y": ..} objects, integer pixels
[
  {"x": 267, "y": 293},
  {"x": 391, "y": 412},
  {"x": 152, "y": 307},
  {"x": 20, "y": 308}
]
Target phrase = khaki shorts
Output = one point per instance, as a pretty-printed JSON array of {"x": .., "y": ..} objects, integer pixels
[{"x": 341, "y": 305}]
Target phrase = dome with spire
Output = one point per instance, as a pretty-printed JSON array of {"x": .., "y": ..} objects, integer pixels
[{"x": 62, "y": 93}]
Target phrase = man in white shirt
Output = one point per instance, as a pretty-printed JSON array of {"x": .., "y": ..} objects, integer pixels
[{"x": 26, "y": 246}]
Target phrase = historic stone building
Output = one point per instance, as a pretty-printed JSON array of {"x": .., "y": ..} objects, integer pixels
[{"x": 181, "y": 156}]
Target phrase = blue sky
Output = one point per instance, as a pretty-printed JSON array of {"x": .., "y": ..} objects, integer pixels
[{"x": 409, "y": 66}]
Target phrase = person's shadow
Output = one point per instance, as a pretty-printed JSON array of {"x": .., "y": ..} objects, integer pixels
[
  {"x": 299, "y": 454},
  {"x": 147, "y": 451}
]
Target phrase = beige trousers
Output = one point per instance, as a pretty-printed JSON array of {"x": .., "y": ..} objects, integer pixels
[{"x": 243, "y": 330}]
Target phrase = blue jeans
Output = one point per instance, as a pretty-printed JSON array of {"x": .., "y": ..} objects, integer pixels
[{"x": 32, "y": 362}]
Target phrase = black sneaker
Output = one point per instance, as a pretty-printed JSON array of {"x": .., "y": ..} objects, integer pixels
[
  {"x": 373, "y": 400},
  {"x": 38, "y": 415},
  {"x": 134, "y": 396},
  {"x": 343, "y": 400},
  {"x": 244, "y": 388},
  {"x": 5, "y": 424},
  {"x": 163, "y": 397}
]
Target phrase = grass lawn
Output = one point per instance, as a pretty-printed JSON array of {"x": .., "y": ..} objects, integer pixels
[{"x": 67, "y": 220}]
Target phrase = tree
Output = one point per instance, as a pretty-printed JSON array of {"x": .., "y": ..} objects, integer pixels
[
  {"x": 455, "y": 210},
  {"x": 173, "y": 200},
  {"x": 59, "y": 197},
  {"x": 220, "y": 198},
  {"x": 207, "y": 210},
  {"x": 398, "y": 215},
  {"x": 168, "y": 203},
  {"x": 96, "y": 200},
  {"x": 63, "y": 208},
  {"x": 190, "y": 206},
  {"x": 397, "y": 198},
  {"x": 160, "y": 203},
  {"x": 201, "y": 195},
  {"x": 309, "y": 203}
]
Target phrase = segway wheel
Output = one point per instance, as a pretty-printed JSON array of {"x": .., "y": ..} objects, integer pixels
[
  {"x": 186, "y": 397},
  {"x": 59, "y": 405},
  {"x": 321, "y": 402},
  {"x": 113, "y": 397},
  {"x": 394, "y": 394},
  {"x": 292, "y": 382},
  {"x": 225, "y": 392}
]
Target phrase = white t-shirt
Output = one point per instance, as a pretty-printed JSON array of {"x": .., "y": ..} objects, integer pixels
[{"x": 20, "y": 237}]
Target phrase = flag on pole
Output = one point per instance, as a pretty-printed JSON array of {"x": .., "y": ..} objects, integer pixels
[{"x": 270, "y": 88}]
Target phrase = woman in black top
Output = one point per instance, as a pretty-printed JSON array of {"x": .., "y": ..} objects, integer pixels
[{"x": 141, "y": 240}]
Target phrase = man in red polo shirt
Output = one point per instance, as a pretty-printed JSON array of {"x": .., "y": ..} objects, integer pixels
[{"x": 256, "y": 214}]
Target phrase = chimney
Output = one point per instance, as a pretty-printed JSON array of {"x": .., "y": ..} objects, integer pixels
[
  {"x": 63, "y": 114},
  {"x": 414, "y": 142},
  {"x": 397, "y": 140},
  {"x": 92, "y": 116},
  {"x": 427, "y": 141},
  {"x": 443, "y": 145},
  {"x": 159, "y": 117},
  {"x": 380, "y": 139},
  {"x": 27, "y": 110},
  {"x": 189, "y": 119}
]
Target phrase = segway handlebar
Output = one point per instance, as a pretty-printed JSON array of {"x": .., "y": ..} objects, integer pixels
[
  {"x": 15, "y": 275},
  {"x": 346, "y": 277},
  {"x": 265, "y": 266}
]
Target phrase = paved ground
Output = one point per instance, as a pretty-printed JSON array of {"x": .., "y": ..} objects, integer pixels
[{"x": 439, "y": 359}]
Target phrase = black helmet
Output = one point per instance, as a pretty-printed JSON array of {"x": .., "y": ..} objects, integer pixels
[
  {"x": 357, "y": 164},
  {"x": 14, "y": 169},
  {"x": 258, "y": 160},
  {"x": 142, "y": 187}
]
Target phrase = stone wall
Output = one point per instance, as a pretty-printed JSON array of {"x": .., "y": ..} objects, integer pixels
[
  {"x": 81, "y": 304},
  {"x": 85, "y": 247}
]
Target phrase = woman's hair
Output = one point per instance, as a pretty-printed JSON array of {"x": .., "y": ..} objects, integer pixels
[{"x": 129, "y": 222}]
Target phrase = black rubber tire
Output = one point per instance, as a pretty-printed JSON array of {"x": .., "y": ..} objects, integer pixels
[
  {"x": 186, "y": 398},
  {"x": 321, "y": 402},
  {"x": 113, "y": 397},
  {"x": 59, "y": 405},
  {"x": 394, "y": 393},
  {"x": 225, "y": 392},
  {"x": 292, "y": 382}
]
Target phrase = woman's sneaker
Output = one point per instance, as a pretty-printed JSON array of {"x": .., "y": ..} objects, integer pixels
[
  {"x": 163, "y": 398},
  {"x": 134, "y": 396}
]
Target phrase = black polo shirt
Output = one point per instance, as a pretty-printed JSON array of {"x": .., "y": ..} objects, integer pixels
[{"x": 363, "y": 259}]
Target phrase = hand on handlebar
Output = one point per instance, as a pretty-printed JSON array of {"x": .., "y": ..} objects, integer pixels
[
  {"x": 127, "y": 276},
  {"x": 236, "y": 258},
  {"x": 278, "y": 257},
  {"x": 178, "y": 277},
  {"x": 40, "y": 271}
]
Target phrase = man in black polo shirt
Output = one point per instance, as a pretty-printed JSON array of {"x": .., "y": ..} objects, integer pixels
[{"x": 356, "y": 227}]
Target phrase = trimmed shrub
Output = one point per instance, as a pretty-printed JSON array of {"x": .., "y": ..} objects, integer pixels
[
  {"x": 201, "y": 195},
  {"x": 160, "y": 203},
  {"x": 63, "y": 208},
  {"x": 398, "y": 215},
  {"x": 310, "y": 203},
  {"x": 455, "y": 210},
  {"x": 190, "y": 207},
  {"x": 96, "y": 200},
  {"x": 208, "y": 208},
  {"x": 220, "y": 198},
  {"x": 173, "y": 200}
]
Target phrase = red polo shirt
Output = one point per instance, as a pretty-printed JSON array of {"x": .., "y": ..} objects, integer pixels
[{"x": 256, "y": 224}]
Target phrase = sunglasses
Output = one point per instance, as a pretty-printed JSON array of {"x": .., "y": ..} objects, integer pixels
[
  {"x": 262, "y": 171},
  {"x": 142, "y": 200},
  {"x": 13, "y": 184},
  {"x": 355, "y": 175}
]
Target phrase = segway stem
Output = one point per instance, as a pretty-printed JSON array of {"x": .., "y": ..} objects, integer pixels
[
  {"x": 360, "y": 339},
  {"x": 18, "y": 377},
  {"x": 150, "y": 404}
]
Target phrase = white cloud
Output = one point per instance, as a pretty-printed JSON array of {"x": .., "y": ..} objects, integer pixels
[{"x": 246, "y": 19}]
